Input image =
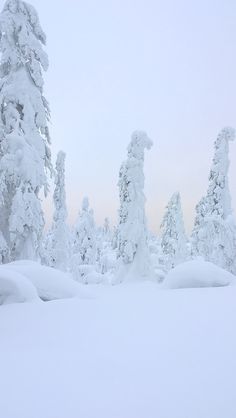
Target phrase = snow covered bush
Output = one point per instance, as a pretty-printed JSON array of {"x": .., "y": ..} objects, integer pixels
[
  {"x": 173, "y": 240},
  {"x": 57, "y": 243},
  {"x": 214, "y": 233},
  {"x": 24, "y": 135},
  {"x": 132, "y": 231}
]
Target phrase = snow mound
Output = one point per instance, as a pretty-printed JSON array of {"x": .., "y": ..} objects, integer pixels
[
  {"x": 197, "y": 273},
  {"x": 15, "y": 288},
  {"x": 50, "y": 283}
]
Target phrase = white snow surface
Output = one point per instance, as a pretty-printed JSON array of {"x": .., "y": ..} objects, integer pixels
[
  {"x": 15, "y": 288},
  {"x": 50, "y": 283},
  {"x": 198, "y": 273},
  {"x": 131, "y": 351}
]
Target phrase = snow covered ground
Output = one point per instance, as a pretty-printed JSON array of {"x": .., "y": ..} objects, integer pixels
[{"x": 127, "y": 351}]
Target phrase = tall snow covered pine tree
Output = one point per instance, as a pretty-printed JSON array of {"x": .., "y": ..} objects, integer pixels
[
  {"x": 132, "y": 248},
  {"x": 214, "y": 233},
  {"x": 24, "y": 136}
]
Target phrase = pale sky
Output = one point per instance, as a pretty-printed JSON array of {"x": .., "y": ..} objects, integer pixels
[{"x": 167, "y": 67}]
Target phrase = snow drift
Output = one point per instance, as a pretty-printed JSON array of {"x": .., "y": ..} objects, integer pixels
[
  {"x": 48, "y": 283},
  {"x": 197, "y": 273},
  {"x": 131, "y": 352},
  {"x": 15, "y": 288}
]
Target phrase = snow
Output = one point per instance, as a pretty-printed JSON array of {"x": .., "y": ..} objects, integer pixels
[
  {"x": 198, "y": 273},
  {"x": 50, "y": 283},
  {"x": 15, "y": 288},
  {"x": 132, "y": 351}
]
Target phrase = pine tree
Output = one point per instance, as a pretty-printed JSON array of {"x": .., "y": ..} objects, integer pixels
[
  {"x": 132, "y": 231},
  {"x": 214, "y": 233},
  {"x": 106, "y": 230},
  {"x": 173, "y": 241},
  {"x": 58, "y": 247},
  {"x": 24, "y": 135},
  {"x": 84, "y": 236}
]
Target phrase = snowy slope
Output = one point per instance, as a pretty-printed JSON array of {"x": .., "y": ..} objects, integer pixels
[{"x": 131, "y": 351}]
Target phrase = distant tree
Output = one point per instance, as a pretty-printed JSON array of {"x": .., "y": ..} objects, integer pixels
[
  {"x": 84, "y": 235},
  {"x": 132, "y": 231},
  {"x": 24, "y": 135},
  {"x": 173, "y": 241},
  {"x": 214, "y": 233},
  {"x": 106, "y": 230}
]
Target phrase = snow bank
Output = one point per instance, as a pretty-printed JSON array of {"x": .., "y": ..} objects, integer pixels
[
  {"x": 197, "y": 273},
  {"x": 131, "y": 352},
  {"x": 50, "y": 283},
  {"x": 15, "y": 288}
]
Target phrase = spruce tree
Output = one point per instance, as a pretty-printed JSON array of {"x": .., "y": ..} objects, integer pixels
[
  {"x": 173, "y": 240},
  {"x": 24, "y": 135},
  {"x": 214, "y": 233},
  {"x": 84, "y": 235},
  {"x": 58, "y": 247},
  {"x": 132, "y": 231}
]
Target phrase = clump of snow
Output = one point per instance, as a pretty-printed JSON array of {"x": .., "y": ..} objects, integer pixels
[
  {"x": 198, "y": 273},
  {"x": 50, "y": 283},
  {"x": 15, "y": 288}
]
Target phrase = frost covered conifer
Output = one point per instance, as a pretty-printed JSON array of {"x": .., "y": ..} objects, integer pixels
[
  {"x": 173, "y": 241},
  {"x": 214, "y": 233},
  {"x": 106, "y": 230},
  {"x": 132, "y": 231},
  {"x": 84, "y": 236},
  {"x": 24, "y": 135},
  {"x": 59, "y": 242}
]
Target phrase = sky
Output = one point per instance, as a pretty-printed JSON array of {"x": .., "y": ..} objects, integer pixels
[{"x": 167, "y": 67}]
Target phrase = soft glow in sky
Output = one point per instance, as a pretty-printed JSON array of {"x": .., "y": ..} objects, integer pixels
[{"x": 164, "y": 66}]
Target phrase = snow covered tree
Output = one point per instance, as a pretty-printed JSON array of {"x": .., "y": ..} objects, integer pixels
[
  {"x": 58, "y": 247},
  {"x": 214, "y": 233},
  {"x": 173, "y": 241},
  {"x": 4, "y": 250},
  {"x": 132, "y": 231},
  {"x": 106, "y": 230},
  {"x": 24, "y": 135},
  {"x": 84, "y": 236}
]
